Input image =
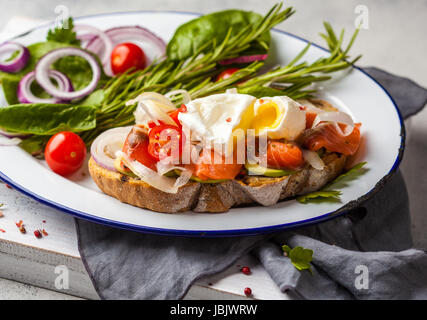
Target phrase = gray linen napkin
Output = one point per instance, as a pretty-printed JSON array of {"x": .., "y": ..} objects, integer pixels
[{"x": 368, "y": 248}]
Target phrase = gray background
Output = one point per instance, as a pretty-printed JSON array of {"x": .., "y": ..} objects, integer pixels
[{"x": 395, "y": 41}]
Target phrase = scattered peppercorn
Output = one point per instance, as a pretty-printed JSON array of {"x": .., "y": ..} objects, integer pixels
[
  {"x": 45, "y": 233},
  {"x": 21, "y": 227},
  {"x": 248, "y": 292},
  {"x": 246, "y": 270},
  {"x": 8, "y": 186},
  {"x": 37, "y": 234},
  {"x": 1, "y": 230}
]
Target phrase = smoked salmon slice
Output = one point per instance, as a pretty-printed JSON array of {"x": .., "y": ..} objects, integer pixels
[{"x": 327, "y": 136}]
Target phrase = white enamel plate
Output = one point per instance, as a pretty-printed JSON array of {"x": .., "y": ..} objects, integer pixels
[{"x": 355, "y": 92}]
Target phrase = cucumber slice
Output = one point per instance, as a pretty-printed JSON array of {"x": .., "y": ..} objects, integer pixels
[{"x": 257, "y": 170}]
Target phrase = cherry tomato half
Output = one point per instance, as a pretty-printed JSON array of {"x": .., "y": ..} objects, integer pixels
[
  {"x": 125, "y": 56},
  {"x": 173, "y": 114},
  {"x": 136, "y": 147},
  {"x": 65, "y": 153},
  {"x": 226, "y": 74},
  {"x": 166, "y": 140}
]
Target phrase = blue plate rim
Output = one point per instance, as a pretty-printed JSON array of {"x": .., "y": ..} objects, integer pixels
[{"x": 218, "y": 233}]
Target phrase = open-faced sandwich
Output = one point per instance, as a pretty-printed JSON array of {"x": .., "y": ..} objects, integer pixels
[
  {"x": 205, "y": 122},
  {"x": 222, "y": 151}
]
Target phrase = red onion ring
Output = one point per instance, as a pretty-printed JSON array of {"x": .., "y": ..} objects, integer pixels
[
  {"x": 95, "y": 32},
  {"x": 153, "y": 46},
  {"x": 12, "y": 135},
  {"x": 42, "y": 74},
  {"x": 19, "y": 62},
  {"x": 244, "y": 59},
  {"x": 24, "y": 87}
]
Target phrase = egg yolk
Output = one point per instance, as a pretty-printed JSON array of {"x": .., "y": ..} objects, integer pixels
[{"x": 267, "y": 116}]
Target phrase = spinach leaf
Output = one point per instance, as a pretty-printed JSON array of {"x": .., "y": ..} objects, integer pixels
[
  {"x": 35, "y": 145},
  {"x": 10, "y": 87},
  {"x": 47, "y": 119},
  {"x": 189, "y": 37}
]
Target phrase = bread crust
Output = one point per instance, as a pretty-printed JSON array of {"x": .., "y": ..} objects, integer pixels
[{"x": 216, "y": 197}]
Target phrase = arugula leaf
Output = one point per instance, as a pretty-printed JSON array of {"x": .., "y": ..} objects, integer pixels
[
  {"x": 64, "y": 34},
  {"x": 195, "y": 34},
  {"x": 328, "y": 192},
  {"x": 332, "y": 195},
  {"x": 352, "y": 174},
  {"x": 47, "y": 119},
  {"x": 300, "y": 257}
]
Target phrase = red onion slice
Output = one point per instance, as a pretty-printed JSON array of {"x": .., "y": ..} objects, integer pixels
[
  {"x": 24, "y": 87},
  {"x": 11, "y": 135},
  {"x": 103, "y": 149},
  {"x": 19, "y": 62},
  {"x": 7, "y": 142},
  {"x": 95, "y": 32},
  {"x": 42, "y": 73},
  {"x": 244, "y": 59},
  {"x": 154, "y": 47}
]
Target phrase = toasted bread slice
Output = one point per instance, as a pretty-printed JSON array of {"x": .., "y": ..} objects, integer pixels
[{"x": 216, "y": 197}]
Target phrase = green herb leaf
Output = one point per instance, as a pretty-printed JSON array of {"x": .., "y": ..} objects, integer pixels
[
  {"x": 328, "y": 195},
  {"x": 47, "y": 119},
  {"x": 328, "y": 192},
  {"x": 300, "y": 257},
  {"x": 64, "y": 34},
  {"x": 342, "y": 180}
]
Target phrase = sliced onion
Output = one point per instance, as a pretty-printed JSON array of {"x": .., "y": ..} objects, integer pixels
[
  {"x": 42, "y": 74},
  {"x": 186, "y": 98},
  {"x": 153, "y": 178},
  {"x": 19, "y": 62},
  {"x": 106, "y": 41},
  {"x": 103, "y": 149},
  {"x": 24, "y": 87},
  {"x": 310, "y": 106},
  {"x": 336, "y": 117},
  {"x": 244, "y": 59},
  {"x": 313, "y": 159},
  {"x": 153, "y": 46},
  {"x": 7, "y": 142},
  {"x": 152, "y": 107},
  {"x": 166, "y": 165},
  {"x": 232, "y": 91}
]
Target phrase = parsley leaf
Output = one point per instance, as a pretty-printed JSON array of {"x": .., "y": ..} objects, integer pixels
[
  {"x": 329, "y": 192},
  {"x": 64, "y": 34},
  {"x": 300, "y": 257}
]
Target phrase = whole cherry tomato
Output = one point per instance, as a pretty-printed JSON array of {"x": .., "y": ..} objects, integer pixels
[
  {"x": 65, "y": 153},
  {"x": 226, "y": 74},
  {"x": 127, "y": 55}
]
